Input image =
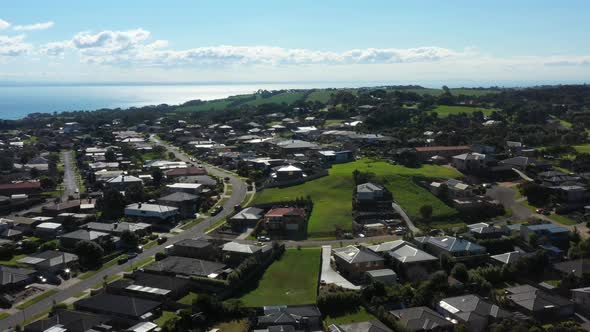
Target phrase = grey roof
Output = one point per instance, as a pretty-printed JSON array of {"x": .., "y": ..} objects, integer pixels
[
  {"x": 12, "y": 275},
  {"x": 368, "y": 187},
  {"x": 470, "y": 307},
  {"x": 117, "y": 304},
  {"x": 408, "y": 254},
  {"x": 179, "y": 197},
  {"x": 193, "y": 243},
  {"x": 352, "y": 254},
  {"x": 250, "y": 213},
  {"x": 296, "y": 144},
  {"x": 387, "y": 246},
  {"x": 53, "y": 256},
  {"x": 369, "y": 326},
  {"x": 83, "y": 234},
  {"x": 509, "y": 257},
  {"x": 420, "y": 318},
  {"x": 185, "y": 266},
  {"x": 125, "y": 179},
  {"x": 549, "y": 228},
  {"x": 241, "y": 248},
  {"x": 451, "y": 243},
  {"x": 115, "y": 227},
  {"x": 579, "y": 267},
  {"x": 381, "y": 273},
  {"x": 534, "y": 299}
]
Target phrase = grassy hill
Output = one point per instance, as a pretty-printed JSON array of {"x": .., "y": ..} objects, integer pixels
[
  {"x": 332, "y": 194},
  {"x": 444, "y": 110}
]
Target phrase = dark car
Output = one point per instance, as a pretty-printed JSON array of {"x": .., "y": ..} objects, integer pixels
[
  {"x": 217, "y": 210},
  {"x": 162, "y": 239}
]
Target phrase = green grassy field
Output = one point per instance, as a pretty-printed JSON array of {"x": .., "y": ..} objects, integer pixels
[
  {"x": 360, "y": 315},
  {"x": 287, "y": 97},
  {"x": 582, "y": 148},
  {"x": 289, "y": 281},
  {"x": 166, "y": 316},
  {"x": 233, "y": 326},
  {"x": 36, "y": 299},
  {"x": 444, "y": 110},
  {"x": 332, "y": 194}
]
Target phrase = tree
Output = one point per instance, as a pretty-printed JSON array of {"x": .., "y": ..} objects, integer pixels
[
  {"x": 47, "y": 182},
  {"x": 426, "y": 212},
  {"x": 135, "y": 193},
  {"x": 460, "y": 272},
  {"x": 157, "y": 176},
  {"x": 113, "y": 204},
  {"x": 130, "y": 239},
  {"x": 89, "y": 253},
  {"x": 110, "y": 155}
]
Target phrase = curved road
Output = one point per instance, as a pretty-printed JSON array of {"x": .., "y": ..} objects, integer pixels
[{"x": 237, "y": 196}]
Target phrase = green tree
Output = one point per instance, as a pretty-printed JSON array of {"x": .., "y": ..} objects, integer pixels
[
  {"x": 89, "y": 253},
  {"x": 113, "y": 204},
  {"x": 426, "y": 212}
]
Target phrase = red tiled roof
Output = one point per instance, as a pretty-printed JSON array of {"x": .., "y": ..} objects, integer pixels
[
  {"x": 279, "y": 212},
  {"x": 20, "y": 185},
  {"x": 189, "y": 171},
  {"x": 442, "y": 148}
]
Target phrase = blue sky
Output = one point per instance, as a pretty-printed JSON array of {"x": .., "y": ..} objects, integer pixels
[{"x": 411, "y": 41}]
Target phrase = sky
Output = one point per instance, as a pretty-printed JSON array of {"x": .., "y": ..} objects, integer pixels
[{"x": 289, "y": 41}]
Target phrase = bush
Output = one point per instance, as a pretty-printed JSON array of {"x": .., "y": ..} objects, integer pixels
[{"x": 160, "y": 256}]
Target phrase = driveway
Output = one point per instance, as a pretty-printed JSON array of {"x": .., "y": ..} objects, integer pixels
[{"x": 329, "y": 275}]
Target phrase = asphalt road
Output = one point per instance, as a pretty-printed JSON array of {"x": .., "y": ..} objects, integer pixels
[
  {"x": 237, "y": 196},
  {"x": 70, "y": 185}
]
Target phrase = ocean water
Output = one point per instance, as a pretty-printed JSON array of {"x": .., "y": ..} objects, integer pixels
[{"x": 16, "y": 101}]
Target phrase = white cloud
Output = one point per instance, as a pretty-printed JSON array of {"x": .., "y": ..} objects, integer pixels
[
  {"x": 3, "y": 24},
  {"x": 35, "y": 26},
  {"x": 13, "y": 46},
  {"x": 56, "y": 49}
]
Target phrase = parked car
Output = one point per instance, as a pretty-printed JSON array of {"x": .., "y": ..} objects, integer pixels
[
  {"x": 543, "y": 211},
  {"x": 131, "y": 255},
  {"x": 217, "y": 210},
  {"x": 123, "y": 260},
  {"x": 263, "y": 238},
  {"x": 162, "y": 239}
]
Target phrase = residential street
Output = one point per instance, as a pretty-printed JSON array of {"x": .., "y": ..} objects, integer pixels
[
  {"x": 70, "y": 185},
  {"x": 237, "y": 196}
]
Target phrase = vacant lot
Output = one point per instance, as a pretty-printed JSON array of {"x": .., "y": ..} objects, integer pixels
[
  {"x": 332, "y": 194},
  {"x": 356, "y": 316},
  {"x": 291, "y": 280},
  {"x": 444, "y": 110}
]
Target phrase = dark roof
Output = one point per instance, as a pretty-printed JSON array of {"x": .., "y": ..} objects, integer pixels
[
  {"x": 179, "y": 197},
  {"x": 83, "y": 234},
  {"x": 20, "y": 185},
  {"x": 160, "y": 281},
  {"x": 579, "y": 267},
  {"x": 193, "y": 243},
  {"x": 71, "y": 320},
  {"x": 189, "y": 171},
  {"x": 470, "y": 307},
  {"x": 534, "y": 299},
  {"x": 420, "y": 318},
  {"x": 11, "y": 275},
  {"x": 284, "y": 315},
  {"x": 117, "y": 304},
  {"x": 185, "y": 266},
  {"x": 370, "y": 326}
]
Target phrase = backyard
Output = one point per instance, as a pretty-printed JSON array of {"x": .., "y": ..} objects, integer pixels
[
  {"x": 332, "y": 194},
  {"x": 289, "y": 281}
]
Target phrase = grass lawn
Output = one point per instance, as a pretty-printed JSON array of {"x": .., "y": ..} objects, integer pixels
[
  {"x": 444, "y": 110},
  {"x": 4, "y": 315},
  {"x": 360, "y": 315},
  {"x": 233, "y": 326},
  {"x": 106, "y": 265},
  {"x": 188, "y": 299},
  {"x": 583, "y": 148},
  {"x": 332, "y": 194},
  {"x": 330, "y": 122},
  {"x": 36, "y": 299},
  {"x": 12, "y": 261},
  {"x": 289, "y": 281},
  {"x": 562, "y": 219},
  {"x": 287, "y": 97},
  {"x": 166, "y": 316}
]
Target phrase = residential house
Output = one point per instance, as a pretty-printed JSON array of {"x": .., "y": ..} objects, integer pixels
[
  {"x": 538, "y": 303},
  {"x": 523, "y": 163},
  {"x": 454, "y": 246},
  {"x": 50, "y": 260},
  {"x": 288, "y": 173},
  {"x": 368, "y": 326},
  {"x": 353, "y": 262},
  {"x": 234, "y": 253},
  {"x": 189, "y": 188},
  {"x": 70, "y": 240},
  {"x": 120, "y": 306},
  {"x": 425, "y": 152},
  {"x": 571, "y": 194},
  {"x": 385, "y": 276},
  {"x": 187, "y": 204},
  {"x": 484, "y": 230},
  {"x": 472, "y": 311},
  {"x": 299, "y": 317},
  {"x": 184, "y": 266},
  {"x": 579, "y": 267},
  {"x": 247, "y": 218},
  {"x": 186, "y": 172},
  {"x": 151, "y": 212},
  {"x": 472, "y": 162},
  {"x": 48, "y": 230},
  {"x": 508, "y": 257},
  {"x": 371, "y": 197},
  {"x": 546, "y": 233},
  {"x": 15, "y": 278},
  {"x": 194, "y": 248},
  {"x": 27, "y": 188},
  {"x": 122, "y": 182},
  {"x": 287, "y": 219},
  {"x": 409, "y": 261},
  {"x": 422, "y": 319},
  {"x": 74, "y": 321},
  {"x": 118, "y": 228},
  {"x": 329, "y": 157},
  {"x": 581, "y": 299}
]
